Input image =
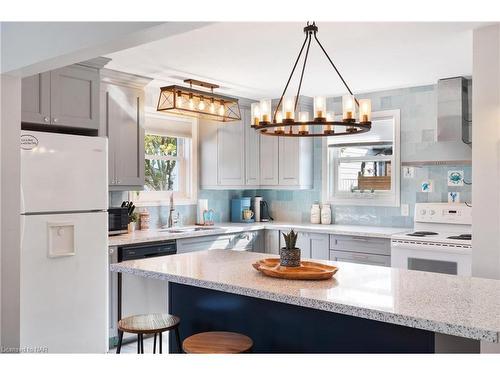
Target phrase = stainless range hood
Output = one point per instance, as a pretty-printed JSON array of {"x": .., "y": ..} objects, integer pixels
[{"x": 452, "y": 143}]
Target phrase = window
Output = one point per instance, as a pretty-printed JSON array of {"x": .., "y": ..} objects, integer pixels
[
  {"x": 363, "y": 169},
  {"x": 170, "y": 161}
]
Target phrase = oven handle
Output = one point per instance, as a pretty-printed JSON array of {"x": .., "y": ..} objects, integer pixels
[{"x": 445, "y": 248}]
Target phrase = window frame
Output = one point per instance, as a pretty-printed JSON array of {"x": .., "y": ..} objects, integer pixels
[
  {"x": 330, "y": 164},
  {"x": 188, "y": 195}
]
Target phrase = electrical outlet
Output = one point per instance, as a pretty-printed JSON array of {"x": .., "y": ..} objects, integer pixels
[
  {"x": 405, "y": 209},
  {"x": 408, "y": 172}
]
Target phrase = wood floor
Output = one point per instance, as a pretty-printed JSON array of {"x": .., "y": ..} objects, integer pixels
[{"x": 131, "y": 347}]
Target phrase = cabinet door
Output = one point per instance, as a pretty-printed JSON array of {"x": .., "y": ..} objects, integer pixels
[
  {"x": 204, "y": 243},
  {"x": 304, "y": 244},
  {"x": 371, "y": 245},
  {"x": 231, "y": 154},
  {"x": 268, "y": 160},
  {"x": 208, "y": 150},
  {"x": 319, "y": 246},
  {"x": 289, "y": 163},
  {"x": 35, "y": 99},
  {"x": 272, "y": 241},
  {"x": 361, "y": 258},
  {"x": 125, "y": 126},
  {"x": 74, "y": 97},
  {"x": 252, "y": 151}
]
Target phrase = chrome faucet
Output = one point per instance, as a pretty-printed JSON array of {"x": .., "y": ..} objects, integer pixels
[{"x": 171, "y": 211}]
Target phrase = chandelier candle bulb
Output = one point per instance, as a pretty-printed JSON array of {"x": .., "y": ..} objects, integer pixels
[
  {"x": 319, "y": 107},
  {"x": 288, "y": 108},
  {"x": 348, "y": 108},
  {"x": 365, "y": 110},
  {"x": 303, "y": 117},
  {"x": 265, "y": 110},
  {"x": 255, "y": 109},
  {"x": 279, "y": 117}
]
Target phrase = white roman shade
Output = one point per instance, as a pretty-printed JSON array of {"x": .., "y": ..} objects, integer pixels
[{"x": 168, "y": 125}]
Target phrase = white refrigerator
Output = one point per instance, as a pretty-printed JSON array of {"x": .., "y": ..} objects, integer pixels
[{"x": 64, "y": 243}]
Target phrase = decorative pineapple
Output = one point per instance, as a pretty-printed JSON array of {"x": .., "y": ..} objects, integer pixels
[{"x": 290, "y": 255}]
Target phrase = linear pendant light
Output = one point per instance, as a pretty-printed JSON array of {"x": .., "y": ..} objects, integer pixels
[
  {"x": 285, "y": 121},
  {"x": 198, "y": 103}
]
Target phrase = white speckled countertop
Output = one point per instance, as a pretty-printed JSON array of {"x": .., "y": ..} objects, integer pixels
[
  {"x": 227, "y": 228},
  {"x": 459, "y": 306}
]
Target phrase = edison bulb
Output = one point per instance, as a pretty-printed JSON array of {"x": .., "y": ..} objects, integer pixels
[
  {"x": 180, "y": 101},
  {"x": 191, "y": 103},
  {"x": 201, "y": 106},
  {"x": 212, "y": 108},
  {"x": 221, "y": 110}
]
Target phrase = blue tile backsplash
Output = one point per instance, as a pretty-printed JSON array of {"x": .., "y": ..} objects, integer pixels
[{"x": 418, "y": 123}]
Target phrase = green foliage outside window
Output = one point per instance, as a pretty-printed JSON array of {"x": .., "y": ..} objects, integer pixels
[{"x": 159, "y": 173}]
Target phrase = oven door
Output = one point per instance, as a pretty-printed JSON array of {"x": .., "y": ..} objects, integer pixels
[{"x": 431, "y": 258}]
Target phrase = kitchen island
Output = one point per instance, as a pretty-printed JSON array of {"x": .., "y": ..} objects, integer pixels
[{"x": 362, "y": 309}]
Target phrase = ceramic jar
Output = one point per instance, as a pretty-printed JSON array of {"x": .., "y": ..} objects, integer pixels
[
  {"x": 326, "y": 214},
  {"x": 315, "y": 214}
]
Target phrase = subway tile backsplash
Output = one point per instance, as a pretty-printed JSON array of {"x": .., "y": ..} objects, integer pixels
[{"x": 418, "y": 125}]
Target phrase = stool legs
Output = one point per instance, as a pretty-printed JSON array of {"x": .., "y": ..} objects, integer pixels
[
  {"x": 161, "y": 341},
  {"x": 154, "y": 344},
  {"x": 178, "y": 338},
  {"x": 120, "y": 338}
]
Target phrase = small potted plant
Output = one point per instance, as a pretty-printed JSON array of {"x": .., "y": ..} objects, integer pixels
[
  {"x": 132, "y": 221},
  {"x": 290, "y": 254}
]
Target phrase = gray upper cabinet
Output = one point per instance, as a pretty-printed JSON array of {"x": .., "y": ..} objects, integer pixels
[
  {"x": 295, "y": 162},
  {"x": 252, "y": 154},
  {"x": 66, "y": 97},
  {"x": 231, "y": 153},
  {"x": 74, "y": 97},
  {"x": 35, "y": 99},
  {"x": 122, "y": 121},
  {"x": 269, "y": 160},
  {"x": 245, "y": 158}
]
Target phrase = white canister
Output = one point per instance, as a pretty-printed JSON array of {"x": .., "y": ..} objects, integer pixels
[
  {"x": 256, "y": 208},
  {"x": 315, "y": 214},
  {"x": 326, "y": 214}
]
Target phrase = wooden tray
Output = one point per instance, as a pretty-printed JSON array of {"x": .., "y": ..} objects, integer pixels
[{"x": 306, "y": 271}]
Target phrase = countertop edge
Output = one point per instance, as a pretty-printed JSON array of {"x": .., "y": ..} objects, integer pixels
[
  {"x": 328, "y": 229},
  {"x": 382, "y": 316}
]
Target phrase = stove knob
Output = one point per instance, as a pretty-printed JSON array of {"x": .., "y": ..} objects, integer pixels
[
  {"x": 432, "y": 212},
  {"x": 423, "y": 212}
]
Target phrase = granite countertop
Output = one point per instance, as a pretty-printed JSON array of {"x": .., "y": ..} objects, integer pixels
[
  {"x": 152, "y": 235},
  {"x": 453, "y": 305}
]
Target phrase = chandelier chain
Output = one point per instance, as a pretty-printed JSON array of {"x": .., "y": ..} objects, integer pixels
[
  {"x": 302, "y": 73},
  {"x": 290, "y": 78}
]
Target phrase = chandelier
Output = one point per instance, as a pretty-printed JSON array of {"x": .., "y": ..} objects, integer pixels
[
  {"x": 198, "y": 103},
  {"x": 285, "y": 121}
]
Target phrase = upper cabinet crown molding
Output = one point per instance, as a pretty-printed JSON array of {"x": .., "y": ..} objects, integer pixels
[
  {"x": 125, "y": 79},
  {"x": 96, "y": 63}
]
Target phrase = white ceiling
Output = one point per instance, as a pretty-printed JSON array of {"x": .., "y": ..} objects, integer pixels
[{"x": 254, "y": 59}]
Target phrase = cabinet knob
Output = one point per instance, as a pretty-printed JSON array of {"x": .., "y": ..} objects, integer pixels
[
  {"x": 46, "y": 119},
  {"x": 55, "y": 119},
  {"x": 119, "y": 181}
]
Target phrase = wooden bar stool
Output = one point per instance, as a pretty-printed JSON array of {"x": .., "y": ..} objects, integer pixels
[
  {"x": 217, "y": 342},
  {"x": 148, "y": 324}
]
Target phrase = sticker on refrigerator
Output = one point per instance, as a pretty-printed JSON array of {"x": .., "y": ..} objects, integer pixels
[{"x": 28, "y": 142}]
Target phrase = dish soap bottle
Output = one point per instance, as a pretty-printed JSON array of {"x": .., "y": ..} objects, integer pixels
[
  {"x": 315, "y": 213},
  {"x": 326, "y": 214}
]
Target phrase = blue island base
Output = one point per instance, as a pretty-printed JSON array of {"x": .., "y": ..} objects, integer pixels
[{"x": 283, "y": 328}]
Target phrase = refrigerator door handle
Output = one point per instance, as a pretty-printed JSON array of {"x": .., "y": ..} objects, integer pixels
[
  {"x": 22, "y": 200},
  {"x": 23, "y": 219}
]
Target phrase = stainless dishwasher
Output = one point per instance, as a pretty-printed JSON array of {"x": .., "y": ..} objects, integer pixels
[{"x": 137, "y": 294}]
